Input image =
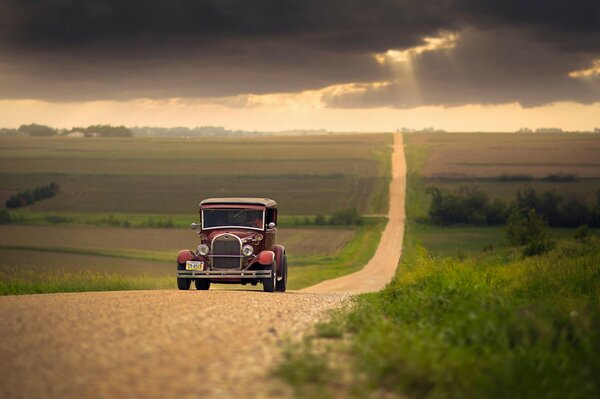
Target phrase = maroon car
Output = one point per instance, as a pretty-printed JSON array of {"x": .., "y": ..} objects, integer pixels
[{"x": 237, "y": 246}]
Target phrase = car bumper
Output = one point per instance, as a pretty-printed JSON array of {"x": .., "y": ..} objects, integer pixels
[{"x": 224, "y": 273}]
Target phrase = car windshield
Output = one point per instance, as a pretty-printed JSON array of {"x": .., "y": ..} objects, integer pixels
[{"x": 247, "y": 218}]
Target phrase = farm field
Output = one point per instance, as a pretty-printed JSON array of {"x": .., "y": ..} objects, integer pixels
[
  {"x": 306, "y": 175},
  {"x": 79, "y": 239},
  {"x": 78, "y": 256},
  {"x": 470, "y": 155},
  {"x": 452, "y": 161}
]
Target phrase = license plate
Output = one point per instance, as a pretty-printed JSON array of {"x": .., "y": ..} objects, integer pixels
[{"x": 194, "y": 265}]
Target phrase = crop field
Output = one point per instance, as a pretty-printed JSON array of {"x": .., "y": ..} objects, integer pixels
[
  {"x": 306, "y": 175},
  {"x": 469, "y": 155}
]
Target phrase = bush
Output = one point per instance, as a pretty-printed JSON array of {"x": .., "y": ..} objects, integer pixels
[
  {"x": 526, "y": 228},
  {"x": 582, "y": 233},
  {"x": 320, "y": 220},
  {"x": 5, "y": 217},
  {"x": 575, "y": 213},
  {"x": 345, "y": 217}
]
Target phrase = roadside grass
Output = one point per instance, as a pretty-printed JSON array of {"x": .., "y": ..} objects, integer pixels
[
  {"x": 483, "y": 325},
  {"x": 308, "y": 270},
  {"x": 488, "y": 326},
  {"x": 32, "y": 282}
]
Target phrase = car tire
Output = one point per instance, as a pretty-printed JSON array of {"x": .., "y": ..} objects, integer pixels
[
  {"x": 184, "y": 283},
  {"x": 202, "y": 284},
  {"x": 281, "y": 285},
  {"x": 269, "y": 283}
]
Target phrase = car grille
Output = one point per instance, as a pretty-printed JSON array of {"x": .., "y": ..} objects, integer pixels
[{"x": 226, "y": 244}]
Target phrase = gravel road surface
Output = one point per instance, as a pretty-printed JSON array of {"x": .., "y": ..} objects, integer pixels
[{"x": 173, "y": 344}]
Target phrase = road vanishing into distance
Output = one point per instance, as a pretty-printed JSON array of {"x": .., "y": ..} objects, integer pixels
[{"x": 167, "y": 344}]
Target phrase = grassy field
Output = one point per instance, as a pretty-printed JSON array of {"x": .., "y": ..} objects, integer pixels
[
  {"x": 49, "y": 259},
  {"x": 306, "y": 175},
  {"x": 480, "y": 325}
]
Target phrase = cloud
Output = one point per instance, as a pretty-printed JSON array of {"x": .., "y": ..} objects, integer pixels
[
  {"x": 482, "y": 67},
  {"x": 68, "y": 50}
]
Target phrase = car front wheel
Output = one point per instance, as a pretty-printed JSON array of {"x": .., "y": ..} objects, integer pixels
[
  {"x": 281, "y": 285},
  {"x": 184, "y": 283},
  {"x": 202, "y": 284},
  {"x": 269, "y": 283}
]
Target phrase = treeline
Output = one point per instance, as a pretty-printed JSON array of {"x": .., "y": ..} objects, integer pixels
[
  {"x": 104, "y": 130},
  {"x": 28, "y": 197},
  {"x": 342, "y": 217},
  {"x": 471, "y": 206},
  {"x": 36, "y": 130}
]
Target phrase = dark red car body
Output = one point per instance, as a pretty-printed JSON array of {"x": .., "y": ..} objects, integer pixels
[{"x": 237, "y": 246}]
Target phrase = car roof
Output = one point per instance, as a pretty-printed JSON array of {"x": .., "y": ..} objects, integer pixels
[{"x": 269, "y": 203}]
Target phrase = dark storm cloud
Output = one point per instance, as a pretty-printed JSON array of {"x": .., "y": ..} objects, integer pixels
[{"x": 62, "y": 50}]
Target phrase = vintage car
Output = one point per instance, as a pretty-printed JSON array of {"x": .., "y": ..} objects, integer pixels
[{"x": 237, "y": 246}]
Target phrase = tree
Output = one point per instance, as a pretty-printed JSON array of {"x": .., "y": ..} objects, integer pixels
[
  {"x": 575, "y": 213},
  {"x": 527, "y": 229},
  {"x": 37, "y": 130}
]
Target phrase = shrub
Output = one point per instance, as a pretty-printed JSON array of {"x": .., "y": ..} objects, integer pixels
[
  {"x": 320, "y": 220},
  {"x": 575, "y": 213},
  {"x": 345, "y": 217},
  {"x": 5, "y": 217},
  {"x": 526, "y": 228},
  {"x": 582, "y": 233}
]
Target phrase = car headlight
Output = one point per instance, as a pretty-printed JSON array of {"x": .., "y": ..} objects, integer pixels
[
  {"x": 247, "y": 250},
  {"x": 258, "y": 237},
  {"x": 203, "y": 249}
]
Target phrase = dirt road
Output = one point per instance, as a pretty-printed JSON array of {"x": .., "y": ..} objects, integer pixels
[
  {"x": 167, "y": 344},
  {"x": 382, "y": 266}
]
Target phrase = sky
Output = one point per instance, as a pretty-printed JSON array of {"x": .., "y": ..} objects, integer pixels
[{"x": 352, "y": 65}]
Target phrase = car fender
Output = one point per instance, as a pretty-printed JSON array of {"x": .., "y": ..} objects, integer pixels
[
  {"x": 279, "y": 251},
  {"x": 186, "y": 255},
  {"x": 265, "y": 258}
]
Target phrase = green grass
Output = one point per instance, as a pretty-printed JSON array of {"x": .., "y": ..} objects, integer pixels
[
  {"x": 308, "y": 270},
  {"x": 465, "y": 240},
  {"x": 31, "y": 282},
  {"x": 483, "y": 325},
  {"x": 490, "y": 326}
]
